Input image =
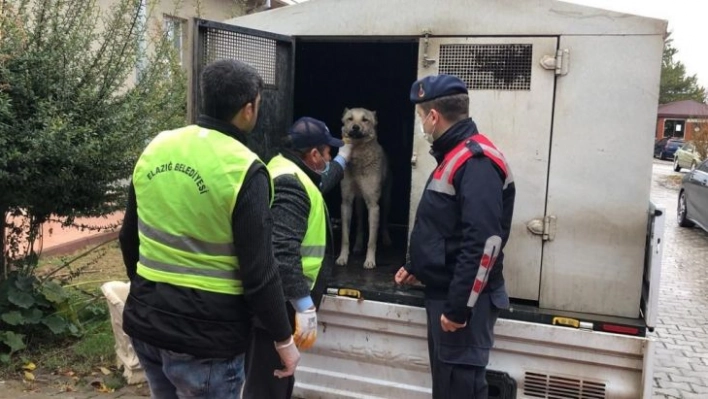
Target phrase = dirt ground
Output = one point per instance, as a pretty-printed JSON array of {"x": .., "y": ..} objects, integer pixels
[{"x": 79, "y": 369}]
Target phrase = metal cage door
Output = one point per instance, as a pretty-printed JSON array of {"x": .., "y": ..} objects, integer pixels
[
  {"x": 511, "y": 100},
  {"x": 272, "y": 55}
]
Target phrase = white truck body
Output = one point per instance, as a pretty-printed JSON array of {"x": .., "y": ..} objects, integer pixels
[{"x": 569, "y": 94}]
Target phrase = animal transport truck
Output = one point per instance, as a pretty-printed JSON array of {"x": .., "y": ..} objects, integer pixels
[{"x": 569, "y": 93}]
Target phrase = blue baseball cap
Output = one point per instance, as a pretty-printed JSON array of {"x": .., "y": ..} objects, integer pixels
[
  {"x": 432, "y": 87},
  {"x": 309, "y": 132}
]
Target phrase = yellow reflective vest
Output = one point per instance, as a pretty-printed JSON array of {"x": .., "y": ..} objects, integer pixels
[
  {"x": 312, "y": 248},
  {"x": 186, "y": 185}
]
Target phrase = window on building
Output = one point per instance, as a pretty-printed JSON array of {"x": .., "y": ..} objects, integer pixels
[
  {"x": 674, "y": 128},
  {"x": 174, "y": 28}
]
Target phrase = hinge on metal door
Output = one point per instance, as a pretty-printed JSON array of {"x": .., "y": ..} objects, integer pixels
[
  {"x": 544, "y": 227},
  {"x": 558, "y": 62},
  {"x": 426, "y": 60}
]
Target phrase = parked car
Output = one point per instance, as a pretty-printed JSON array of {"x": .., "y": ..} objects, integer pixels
[
  {"x": 686, "y": 157},
  {"x": 666, "y": 147},
  {"x": 693, "y": 198}
]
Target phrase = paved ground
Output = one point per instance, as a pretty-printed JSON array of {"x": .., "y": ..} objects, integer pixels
[{"x": 681, "y": 367}]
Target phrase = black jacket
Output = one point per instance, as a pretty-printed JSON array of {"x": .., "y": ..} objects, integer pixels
[
  {"x": 207, "y": 324},
  {"x": 451, "y": 232}
]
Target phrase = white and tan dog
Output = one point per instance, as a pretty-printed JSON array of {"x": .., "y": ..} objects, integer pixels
[{"x": 365, "y": 177}]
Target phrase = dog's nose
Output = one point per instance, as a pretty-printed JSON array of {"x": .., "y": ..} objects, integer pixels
[{"x": 356, "y": 127}]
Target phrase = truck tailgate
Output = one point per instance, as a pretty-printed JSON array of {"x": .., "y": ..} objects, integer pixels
[{"x": 368, "y": 349}]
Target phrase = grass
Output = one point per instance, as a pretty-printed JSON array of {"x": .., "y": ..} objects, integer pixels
[
  {"x": 84, "y": 356},
  {"x": 92, "y": 268}
]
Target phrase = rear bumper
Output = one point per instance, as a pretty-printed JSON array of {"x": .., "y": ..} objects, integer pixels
[{"x": 379, "y": 350}]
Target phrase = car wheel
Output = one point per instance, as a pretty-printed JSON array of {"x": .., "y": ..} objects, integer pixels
[
  {"x": 682, "y": 211},
  {"x": 677, "y": 167}
]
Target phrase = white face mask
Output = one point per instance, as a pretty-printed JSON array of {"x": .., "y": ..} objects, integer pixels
[
  {"x": 325, "y": 166},
  {"x": 428, "y": 136},
  {"x": 326, "y": 169}
]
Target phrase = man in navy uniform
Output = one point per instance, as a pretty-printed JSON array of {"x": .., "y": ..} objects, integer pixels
[{"x": 456, "y": 246}]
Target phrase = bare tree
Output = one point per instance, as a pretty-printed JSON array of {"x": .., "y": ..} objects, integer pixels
[{"x": 700, "y": 138}]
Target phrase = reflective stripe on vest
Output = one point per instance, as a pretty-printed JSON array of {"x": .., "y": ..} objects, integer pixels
[
  {"x": 316, "y": 251},
  {"x": 187, "y": 182},
  {"x": 187, "y": 244},
  {"x": 312, "y": 248},
  {"x": 478, "y": 144}
]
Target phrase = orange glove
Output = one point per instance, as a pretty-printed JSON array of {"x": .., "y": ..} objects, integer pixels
[{"x": 305, "y": 328}]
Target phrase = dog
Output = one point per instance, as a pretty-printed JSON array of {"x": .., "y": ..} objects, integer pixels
[{"x": 366, "y": 178}]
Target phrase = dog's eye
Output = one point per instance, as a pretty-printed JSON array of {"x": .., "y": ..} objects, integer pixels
[
  {"x": 365, "y": 119},
  {"x": 350, "y": 118}
]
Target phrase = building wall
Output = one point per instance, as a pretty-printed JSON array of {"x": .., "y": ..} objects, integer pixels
[{"x": 177, "y": 16}]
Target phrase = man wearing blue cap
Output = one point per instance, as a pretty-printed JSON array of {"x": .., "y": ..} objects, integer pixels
[
  {"x": 301, "y": 173},
  {"x": 456, "y": 246}
]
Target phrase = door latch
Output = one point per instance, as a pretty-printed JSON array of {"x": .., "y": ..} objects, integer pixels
[
  {"x": 560, "y": 62},
  {"x": 544, "y": 227},
  {"x": 427, "y": 62}
]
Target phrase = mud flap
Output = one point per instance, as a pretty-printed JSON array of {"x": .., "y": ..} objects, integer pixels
[{"x": 501, "y": 385}]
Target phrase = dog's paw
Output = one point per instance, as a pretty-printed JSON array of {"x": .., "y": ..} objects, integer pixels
[
  {"x": 369, "y": 263},
  {"x": 342, "y": 260}
]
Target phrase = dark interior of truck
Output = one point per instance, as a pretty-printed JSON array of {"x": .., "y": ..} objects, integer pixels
[{"x": 333, "y": 75}]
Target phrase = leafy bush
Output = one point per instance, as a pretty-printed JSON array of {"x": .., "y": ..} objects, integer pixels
[
  {"x": 74, "y": 116},
  {"x": 74, "y": 112},
  {"x": 29, "y": 309}
]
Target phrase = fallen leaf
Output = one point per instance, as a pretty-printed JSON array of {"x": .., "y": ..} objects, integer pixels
[
  {"x": 101, "y": 387},
  {"x": 29, "y": 367},
  {"x": 105, "y": 371},
  {"x": 67, "y": 388},
  {"x": 29, "y": 376}
]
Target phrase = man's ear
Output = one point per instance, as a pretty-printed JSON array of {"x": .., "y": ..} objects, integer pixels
[
  {"x": 312, "y": 153},
  {"x": 249, "y": 110},
  {"x": 435, "y": 113}
]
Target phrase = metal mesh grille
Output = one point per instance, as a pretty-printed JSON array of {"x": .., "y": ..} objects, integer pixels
[
  {"x": 256, "y": 51},
  {"x": 539, "y": 385},
  {"x": 488, "y": 66}
]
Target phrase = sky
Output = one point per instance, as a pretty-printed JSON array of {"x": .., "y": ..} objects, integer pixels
[{"x": 688, "y": 21}]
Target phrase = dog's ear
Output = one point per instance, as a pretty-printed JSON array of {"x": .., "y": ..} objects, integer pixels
[
  {"x": 345, "y": 112},
  {"x": 376, "y": 120}
]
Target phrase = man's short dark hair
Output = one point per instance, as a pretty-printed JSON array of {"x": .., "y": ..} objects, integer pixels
[
  {"x": 227, "y": 86},
  {"x": 453, "y": 108}
]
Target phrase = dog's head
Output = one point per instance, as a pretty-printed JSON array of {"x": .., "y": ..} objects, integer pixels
[{"x": 359, "y": 124}]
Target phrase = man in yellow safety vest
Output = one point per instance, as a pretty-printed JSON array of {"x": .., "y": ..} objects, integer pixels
[
  {"x": 301, "y": 173},
  {"x": 197, "y": 246}
]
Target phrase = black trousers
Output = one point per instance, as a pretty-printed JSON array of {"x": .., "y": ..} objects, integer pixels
[
  {"x": 261, "y": 360},
  {"x": 458, "y": 360}
]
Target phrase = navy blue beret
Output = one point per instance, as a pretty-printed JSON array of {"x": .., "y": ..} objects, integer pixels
[{"x": 432, "y": 87}]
